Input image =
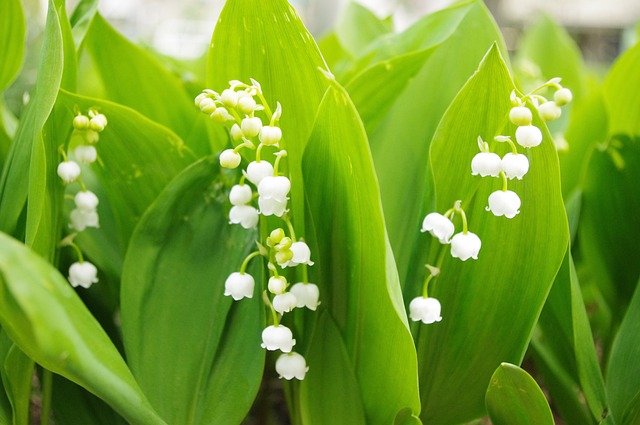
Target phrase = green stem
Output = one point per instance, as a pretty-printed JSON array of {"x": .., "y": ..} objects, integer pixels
[
  {"x": 305, "y": 274},
  {"x": 292, "y": 232},
  {"x": 279, "y": 155},
  {"x": 425, "y": 286},
  {"x": 78, "y": 252},
  {"x": 47, "y": 389},
  {"x": 235, "y": 115},
  {"x": 274, "y": 313},
  {"x": 267, "y": 110},
  {"x": 62, "y": 152},
  {"x": 245, "y": 263},
  {"x": 465, "y": 228},
  {"x": 504, "y": 181},
  {"x": 258, "y": 153}
]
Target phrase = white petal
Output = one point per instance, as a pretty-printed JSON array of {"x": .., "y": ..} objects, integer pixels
[
  {"x": 426, "y": 310},
  {"x": 230, "y": 159},
  {"x": 549, "y": 111},
  {"x": 439, "y": 226},
  {"x": 256, "y": 171},
  {"x": 515, "y": 165},
  {"x": 68, "y": 171},
  {"x": 251, "y": 126},
  {"x": 83, "y": 274},
  {"x": 277, "y": 187},
  {"x": 307, "y": 295},
  {"x": 528, "y": 136},
  {"x": 465, "y": 246},
  {"x": 239, "y": 286},
  {"x": 245, "y": 215},
  {"x": 283, "y": 303},
  {"x": 80, "y": 220},
  {"x": 485, "y": 164},
  {"x": 278, "y": 338},
  {"x": 520, "y": 115},
  {"x": 291, "y": 365},
  {"x": 86, "y": 201},
  {"x": 240, "y": 194},
  {"x": 86, "y": 154},
  {"x": 504, "y": 203},
  {"x": 271, "y": 206}
]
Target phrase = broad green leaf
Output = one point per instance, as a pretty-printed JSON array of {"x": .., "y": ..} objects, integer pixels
[
  {"x": 43, "y": 315},
  {"x": 178, "y": 259},
  {"x": 335, "y": 54},
  {"x": 431, "y": 62},
  {"x": 623, "y": 372},
  {"x": 139, "y": 159},
  {"x": 320, "y": 402},
  {"x": 608, "y": 217},
  {"x": 514, "y": 397},
  {"x": 357, "y": 27},
  {"x": 275, "y": 49},
  {"x": 566, "y": 335},
  {"x": 355, "y": 269},
  {"x": 133, "y": 77},
  {"x": 81, "y": 19},
  {"x": 13, "y": 30},
  {"x": 499, "y": 296},
  {"x": 73, "y": 405},
  {"x": 16, "y": 371},
  {"x": 620, "y": 87}
]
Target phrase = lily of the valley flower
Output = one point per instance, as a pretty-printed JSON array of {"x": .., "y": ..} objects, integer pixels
[
  {"x": 258, "y": 170},
  {"x": 83, "y": 274},
  {"x": 515, "y": 165},
  {"x": 273, "y": 193},
  {"x": 549, "y": 111},
  {"x": 277, "y": 285},
  {"x": 465, "y": 246},
  {"x": 244, "y": 215},
  {"x": 80, "y": 220},
  {"x": 239, "y": 286},
  {"x": 86, "y": 154},
  {"x": 528, "y": 136},
  {"x": 301, "y": 255},
  {"x": 278, "y": 338},
  {"x": 240, "y": 194},
  {"x": 485, "y": 164},
  {"x": 291, "y": 365},
  {"x": 425, "y": 310},
  {"x": 251, "y": 126},
  {"x": 229, "y": 158},
  {"x": 86, "y": 201},
  {"x": 283, "y": 303},
  {"x": 562, "y": 96},
  {"x": 504, "y": 203},
  {"x": 270, "y": 136},
  {"x": 307, "y": 295},
  {"x": 520, "y": 115},
  {"x": 68, "y": 171},
  {"x": 439, "y": 226}
]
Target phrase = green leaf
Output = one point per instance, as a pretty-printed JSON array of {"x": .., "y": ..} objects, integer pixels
[
  {"x": 607, "y": 217},
  {"x": 623, "y": 371},
  {"x": 140, "y": 157},
  {"x": 357, "y": 27},
  {"x": 320, "y": 402},
  {"x": 499, "y": 296},
  {"x": 355, "y": 269},
  {"x": 619, "y": 90},
  {"x": 81, "y": 19},
  {"x": 16, "y": 371},
  {"x": 178, "y": 259},
  {"x": 513, "y": 397},
  {"x": 133, "y": 77},
  {"x": 43, "y": 315},
  {"x": 423, "y": 69},
  {"x": 275, "y": 49},
  {"x": 13, "y": 28}
]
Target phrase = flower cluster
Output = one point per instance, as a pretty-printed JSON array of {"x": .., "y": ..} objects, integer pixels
[
  {"x": 263, "y": 190},
  {"x": 504, "y": 202},
  {"x": 85, "y": 136}
]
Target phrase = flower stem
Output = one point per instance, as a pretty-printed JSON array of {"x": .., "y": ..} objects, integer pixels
[
  {"x": 267, "y": 110},
  {"x": 258, "y": 152},
  {"x": 458, "y": 208},
  {"x": 274, "y": 314},
  {"x": 292, "y": 232},
  {"x": 279, "y": 155},
  {"x": 245, "y": 263},
  {"x": 504, "y": 181},
  {"x": 76, "y": 248},
  {"x": 62, "y": 152}
]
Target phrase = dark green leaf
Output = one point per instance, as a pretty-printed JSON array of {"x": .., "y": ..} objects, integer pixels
[{"x": 16, "y": 370}]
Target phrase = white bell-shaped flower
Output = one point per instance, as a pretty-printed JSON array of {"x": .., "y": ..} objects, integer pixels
[
  {"x": 239, "y": 286},
  {"x": 291, "y": 365},
  {"x": 465, "y": 246},
  {"x": 207, "y": 105},
  {"x": 246, "y": 104},
  {"x": 256, "y": 171},
  {"x": 277, "y": 284},
  {"x": 86, "y": 154},
  {"x": 528, "y": 136},
  {"x": 83, "y": 274},
  {"x": 425, "y": 310},
  {"x": 251, "y": 126},
  {"x": 520, "y": 115},
  {"x": 515, "y": 165},
  {"x": 199, "y": 98},
  {"x": 80, "y": 220},
  {"x": 270, "y": 136},
  {"x": 221, "y": 115},
  {"x": 549, "y": 111},
  {"x": 439, "y": 226},
  {"x": 98, "y": 122},
  {"x": 68, "y": 171},
  {"x": 229, "y": 158},
  {"x": 562, "y": 96},
  {"x": 236, "y": 132},
  {"x": 271, "y": 206},
  {"x": 273, "y": 191},
  {"x": 301, "y": 255},
  {"x": 278, "y": 338},
  {"x": 504, "y": 203},
  {"x": 244, "y": 215},
  {"x": 485, "y": 164},
  {"x": 307, "y": 295},
  {"x": 283, "y": 303},
  {"x": 229, "y": 98},
  {"x": 240, "y": 194},
  {"x": 86, "y": 201}
]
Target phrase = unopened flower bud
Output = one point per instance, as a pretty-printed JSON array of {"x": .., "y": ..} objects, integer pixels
[
  {"x": 199, "y": 98},
  {"x": 277, "y": 284},
  {"x": 549, "y": 111},
  {"x": 230, "y": 159},
  {"x": 91, "y": 137},
  {"x": 229, "y": 98},
  {"x": 81, "y": 122},
  {"x": 275, "y": 237},
  {"x": 236, "y": 132},
  {"x": 528, "y": 136},
  {"x": 251, "y": 126},
  {"x": 98, "y": 122},
  {"x": 270, "y": 136},
  {"x": 520, "y": 115},
  {"x": 240, "y": 194},
  {"x": 562, "y": 96},
  {"x": 283, "y": 257},
  {"x": 207, "y": 105},
  {"x": 221, "y": 115},
  {"x": 246, "y": 104}
]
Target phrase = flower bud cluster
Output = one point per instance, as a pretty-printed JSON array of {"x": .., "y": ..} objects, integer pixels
[
  {"x": 85, "y": 136},
  {"x": 263, "y": 191},
  {"x": 504, "y": 202}
]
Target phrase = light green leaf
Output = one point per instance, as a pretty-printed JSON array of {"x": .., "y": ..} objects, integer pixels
[
  {"x": 623, "y": 372},
  {"x": 335, "y": 54},
  {"x": 43, "y": 315},
  {"x": 16, "y": 371},
  {"x": 423, "y": 69},
  {"x": 13, "y": 30},
  {"x": 513, "y": 397},
  {"x": 499, "y": 296},
  {"x": 320, "y": 402},
  {"x": 178, "y": 259},
  {"x": 275, "y": 49},
  {"x": 619, "y": 92},
  {"x": 355, "y": 268},
  {"x": 133, "y": 77},
  {"x": 357, "y": 27},
  {"x": 81, "y": 19}
]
